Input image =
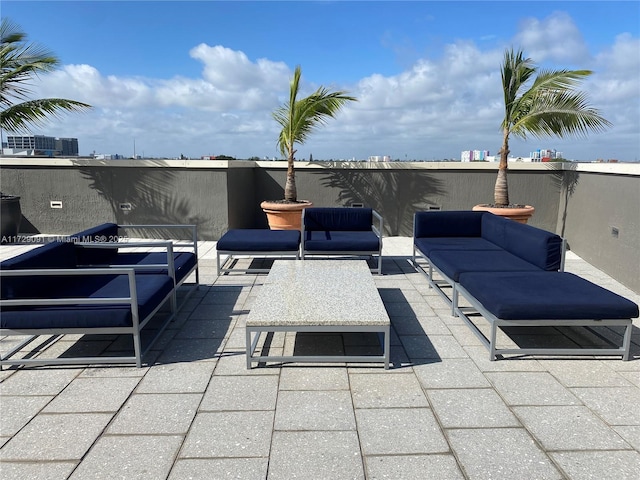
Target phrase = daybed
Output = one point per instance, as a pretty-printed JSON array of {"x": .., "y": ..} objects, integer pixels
[
  {"x": 263, "y": 242},
  {"x": 351, "y": 231},
  {"x": 45, "y": 292},
  {"x": 511, "y": 274}
]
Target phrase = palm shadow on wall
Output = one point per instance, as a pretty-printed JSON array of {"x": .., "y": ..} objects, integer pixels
[
  {"x": 152, "y": 194},
  {"x": 566, "y": 180},
  {"x": 396, "y": 193}
]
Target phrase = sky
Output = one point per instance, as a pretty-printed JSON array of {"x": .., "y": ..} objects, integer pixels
[{"x": 199, "y": 78}]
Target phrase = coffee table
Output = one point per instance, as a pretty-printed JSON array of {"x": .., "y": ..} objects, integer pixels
[{"x": 323, "y": 296}]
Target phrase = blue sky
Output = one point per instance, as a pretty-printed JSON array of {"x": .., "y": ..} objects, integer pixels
[{"x": 202, "y": 78}]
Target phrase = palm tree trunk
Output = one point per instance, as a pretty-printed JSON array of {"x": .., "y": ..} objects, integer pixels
[
  {"x": 501, "y": 190},
  {"x": 290, "y": 190}
]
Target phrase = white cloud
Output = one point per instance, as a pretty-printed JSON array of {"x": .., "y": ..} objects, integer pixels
[{"x": 433, "y": 109}]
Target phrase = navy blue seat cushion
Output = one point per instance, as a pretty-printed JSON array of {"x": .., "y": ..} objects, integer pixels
[
  {"x": 545, "y": 295},
  {"x": 183, "y": 262},
  {"x": 430, "y": 244},
  {"x": 54, "y": 255},
  {"x": 536, "y": 246},
  {"x": 338, "y": 241},
  {"x": 151, "y": 291},
  {"x": 453, "y": 263},
  {"x": 337, "y": 219},
  {"x": 259, "y": 240},
  {"x": 107, "y": 232},
  {"x": 448, "y": 224}
]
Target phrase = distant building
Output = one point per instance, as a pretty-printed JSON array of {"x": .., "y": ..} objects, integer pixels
[
  {"x": 545, "y": 155},
  {"x": 41, "y": 145},
  {"x": 379, "y": 158},
  {"x": 474, "y": 155}
]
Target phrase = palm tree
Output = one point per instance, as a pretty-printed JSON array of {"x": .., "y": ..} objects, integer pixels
[
  {"x": 551, "y": 106},
  {"x": 20, "y": 62},
  {"x": 299, "y": 118}
]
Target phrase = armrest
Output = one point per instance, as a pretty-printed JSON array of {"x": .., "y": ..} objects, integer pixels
[
  {"x": 131, "y": 299},
  {"x": 193, "y": 243},
  {"x": 378, "y": 230}
]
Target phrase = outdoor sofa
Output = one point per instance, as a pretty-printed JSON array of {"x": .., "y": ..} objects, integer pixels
[
  {"x": 343, "y": 231},
  {"x": 92, "y": 283},
  {"x": 512, "y": 274}
]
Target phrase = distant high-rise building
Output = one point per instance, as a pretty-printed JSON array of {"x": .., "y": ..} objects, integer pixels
[
  {"x": 545, "y": 155},
  {"x": 474, "y": 155},
  {"x": 42, "y": 145}
]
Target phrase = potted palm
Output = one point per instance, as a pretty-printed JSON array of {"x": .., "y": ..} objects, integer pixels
[
  {"x": 20, "y": 63},
  {"x": 549, "y": 106},
  {"x": 298, "y": 119}
]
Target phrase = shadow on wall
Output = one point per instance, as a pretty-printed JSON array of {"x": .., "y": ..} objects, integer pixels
[
  {"x": 143, "y": 196},
  {"x": 567, "y": 181},
  {"x": 395, "y": 193}
]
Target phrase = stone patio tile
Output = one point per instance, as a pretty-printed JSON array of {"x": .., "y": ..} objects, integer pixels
[
  {"x": 471, "y": 408},
  {"x": 583, "y": 373},
  {"x": 608, "y": 465},
  {"x": 315, "y": 455},
  {"x": 480, "y": 355},
  {"x": 220, "y": 469},
  {"x": 40, "y": 471},
  {"x": 151, "y": 413},
  {"x": 616, "y": 405},
  {"x": 500, "y": 453},
  {"x": 531, "y": 388},
  {"x": 412, "y": 467},
  {"x": 569, "y": 428},
  {"x": 241, "y": 393},
  {"x": 190, "y": 350},
  {"x": 192, "y": 377},
  {"x": 314, "y": 410},
  {"x": 62, "y": 436},
  {"x": 93, "y": 395},
  {"x": 633, "y": 377},
  {"x": 38, "y": 382},
  {"x": 386, "y": 391},
  {"x": 223, "y": 314},
  {"x": 631, "y": 434},
  {"x": 464, "y": 335},
  {"x": 453, "y": 373},
  {"x": 109, "y": 371},
  {"x": 204, "y": 329},
  {"x": 229, "y": 434},
  {"x": 314, "y": 378},
  {"x": 131, "y": 457},
  {"x": 234, "y": 362},
  {"x": 399, "y": 431},
  {"x": 18, "y": 410},
  {"x": 433, "y": 346}
]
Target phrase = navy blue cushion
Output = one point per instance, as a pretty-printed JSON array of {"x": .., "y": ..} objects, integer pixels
[
  {"x": 430, "y": 244},
  {"x": 107, "y": 232},
  {"x": 151, "y": 290},
  {"x": 463, "y": 223},
  {"x": 453, "y": 263},
  {"x": 338, "y": 241},
  {"x": 545, "y": 295},
  {"x": 49, "y": 256},
  {"x": 338, "y": 219},
  {"x": 259, "y": 240},
  {"x": 183, "y": 262},
  {"x": 536, "y": 246}
]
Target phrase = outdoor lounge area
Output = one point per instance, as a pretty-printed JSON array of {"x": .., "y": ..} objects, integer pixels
[{"x": 443, "y": 410}]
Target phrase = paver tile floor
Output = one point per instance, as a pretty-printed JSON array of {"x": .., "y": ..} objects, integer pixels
[{"x": 443, "y": 410}]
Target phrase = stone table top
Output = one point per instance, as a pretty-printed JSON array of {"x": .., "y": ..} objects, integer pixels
[{"x": 318, "y": 293}]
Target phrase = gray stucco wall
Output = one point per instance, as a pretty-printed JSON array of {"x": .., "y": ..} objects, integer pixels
[{"x": 581, "y": 202}]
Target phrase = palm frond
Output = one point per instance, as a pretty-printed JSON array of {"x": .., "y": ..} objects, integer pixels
[{"x": 18, "y": 118}]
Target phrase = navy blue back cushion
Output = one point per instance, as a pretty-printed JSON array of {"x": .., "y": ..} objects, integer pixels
[
  {"x": 338, "y": 219},
  {"x": 107, "y": 232},
  {"x": 539, "y": 247},
  {"x": 259, "y": 240},
  {"x": 53, "y": 255},
  {"x": 448, "y": 224}
]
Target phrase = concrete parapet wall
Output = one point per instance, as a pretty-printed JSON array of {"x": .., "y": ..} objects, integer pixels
[{"x": 583, "y": 202}]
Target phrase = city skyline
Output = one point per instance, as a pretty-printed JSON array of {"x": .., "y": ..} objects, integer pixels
[{"x": 202, "y": 78}]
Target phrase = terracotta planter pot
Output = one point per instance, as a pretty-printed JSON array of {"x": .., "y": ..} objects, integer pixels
[
  {"x": 285, "y": 216},
  {"x": 519, "y": 214}
]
